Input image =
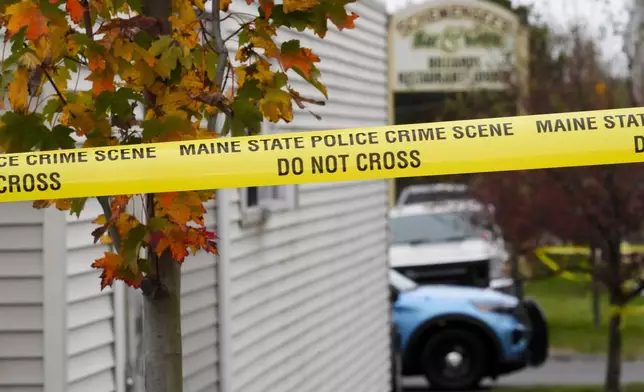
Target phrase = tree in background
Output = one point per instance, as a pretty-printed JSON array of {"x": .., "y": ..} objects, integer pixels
[
  {"x": 170, "y": 58},
  {"x": 601, "y": 206}
]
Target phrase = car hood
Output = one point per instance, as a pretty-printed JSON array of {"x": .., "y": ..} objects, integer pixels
[
  {"x": 405, "y": 255},
  {"x": 459, "y": 293}
]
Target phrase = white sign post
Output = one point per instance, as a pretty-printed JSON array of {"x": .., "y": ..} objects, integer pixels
[{"x": 453, "y": 45}]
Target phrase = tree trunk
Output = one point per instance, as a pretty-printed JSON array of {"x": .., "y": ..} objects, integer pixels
[
  {"x": 595, "y": 290},
  {"x": 614, "y": 363},
  {"x": 162, "y": 344}
]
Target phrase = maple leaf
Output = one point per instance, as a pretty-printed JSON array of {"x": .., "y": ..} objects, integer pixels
[
  {"x": 267, "y": 7},
  {"x": 224, "y": 5},
  {"x": 299, "y": 5},
  {"x": 110, "y": 263},
  {"x": 119, "y": 204},
  {"x": 277, "y": 105},
  {"x": 75, "y": 9},
  {"x": 26, "y": 13},
  {"x": 293, "y": 56},
  {"x": 19, "y": 91},
  {"x": 349, "y": 22},
  {"x": 102, "y": 81}
]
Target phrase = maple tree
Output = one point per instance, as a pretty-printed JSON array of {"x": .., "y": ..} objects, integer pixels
[{"x": 169, "y": 58}]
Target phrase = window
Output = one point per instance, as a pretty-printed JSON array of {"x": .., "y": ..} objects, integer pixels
[{"x": 258, "y": 201}]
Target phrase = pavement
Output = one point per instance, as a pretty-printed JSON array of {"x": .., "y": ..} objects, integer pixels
[{"x": 561, "y": 371}]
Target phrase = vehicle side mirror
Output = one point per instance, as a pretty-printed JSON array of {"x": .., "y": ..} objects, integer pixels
[{"x": 393, "y": 294}]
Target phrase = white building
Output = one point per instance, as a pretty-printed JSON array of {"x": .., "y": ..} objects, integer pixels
[{"x": 295, "y": 302}]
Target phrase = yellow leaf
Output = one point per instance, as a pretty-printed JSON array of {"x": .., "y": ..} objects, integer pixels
[
  {"x": 600, "y": 88},
  {"x": 299, "y": 5},
  {"x": 29, "y": 60},
  {"x": 277, "y": 105},
  {"x": 18, "y": 90},
  {"x": 186, "y": 12},
  {"x": 199, "y": 4}
]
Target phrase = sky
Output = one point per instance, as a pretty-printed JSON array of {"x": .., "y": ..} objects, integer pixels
[{"x": 600, "y": 15}]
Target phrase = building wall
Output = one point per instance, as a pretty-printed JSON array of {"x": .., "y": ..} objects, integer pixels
[
  {"x": 309, "y": 284},
  {"x": 21, "y": 298}
]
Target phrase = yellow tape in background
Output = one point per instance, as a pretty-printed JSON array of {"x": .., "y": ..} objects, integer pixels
[{"x": 497, "y": 144}]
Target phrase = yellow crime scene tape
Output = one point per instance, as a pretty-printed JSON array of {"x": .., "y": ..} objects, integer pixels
[
  {"x": 547, "y": 254},
  {"x": 457, "y": 147}
]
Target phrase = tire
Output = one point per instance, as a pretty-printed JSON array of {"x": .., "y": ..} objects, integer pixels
[
  {"x": 468, "y": 374},
  {"x": 396, "y": 362},
  {"x": 539, "y": 341}
]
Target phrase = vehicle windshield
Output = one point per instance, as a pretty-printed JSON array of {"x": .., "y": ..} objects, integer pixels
[
  {"x": 433, "y": 228},
  {"x": 400, "y": 281}
]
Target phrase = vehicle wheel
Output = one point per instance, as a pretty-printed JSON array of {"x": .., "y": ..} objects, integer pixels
[
  {"x": 539, "y": 344},
  {"x": 396, "y": 362},
  {"x": 454, "y": 360}
]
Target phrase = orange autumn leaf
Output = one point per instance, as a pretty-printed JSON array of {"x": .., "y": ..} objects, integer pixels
[
  {"x": 349, "y": 21},
  {"x": 224, "y": 5},
  {"x": 267, "y": 7},
  {"x": 75, "y": 9},
  {"x": 302, "y": 59},
  {"x": 110, "y": 263},
  {"x": 102, "y": 81},
  {"x": 26, "y": 13},
  {"x": 95, "y": 62}
]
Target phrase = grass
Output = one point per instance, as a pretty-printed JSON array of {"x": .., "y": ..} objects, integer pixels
[
  {"x": 625, "y": 388},
  {"x": 567, "y": 305}
]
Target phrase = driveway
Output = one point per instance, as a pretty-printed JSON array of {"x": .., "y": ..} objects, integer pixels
[{"x": 573, "y": 372}]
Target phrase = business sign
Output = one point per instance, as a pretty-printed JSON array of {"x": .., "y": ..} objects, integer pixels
[{"x": 453, "y": 45}]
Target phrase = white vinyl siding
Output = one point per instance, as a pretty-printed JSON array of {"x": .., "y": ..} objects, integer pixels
[
  {"x": 309, "y": 285},
  {"x": 90, "y": 310},
  {"x": 199, "y": 317},
  {"x": 21, "y": 298}
]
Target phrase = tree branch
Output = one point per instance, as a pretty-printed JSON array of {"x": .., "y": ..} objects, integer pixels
[{"x": 222, "y": 62}]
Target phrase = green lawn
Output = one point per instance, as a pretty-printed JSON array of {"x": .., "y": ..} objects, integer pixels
[
  {"x": 625, "y": 388},
  {"x": 568, "y": 308}
]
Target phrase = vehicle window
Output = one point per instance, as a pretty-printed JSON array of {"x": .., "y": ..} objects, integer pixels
[
  {"x": 431, "y": 228},
  {"x": 417, "y": 198},
  {"x": 400, "y": 281}
]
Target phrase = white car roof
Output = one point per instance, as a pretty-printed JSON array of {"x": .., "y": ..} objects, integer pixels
[{"x": 436, "y": 208}]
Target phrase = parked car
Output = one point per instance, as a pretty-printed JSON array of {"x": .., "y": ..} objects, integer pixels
[
  {"x": 442, "y": 191},
  {"x": 423, "y": 193},
  {"x": 457, "y": 336},
  {"x": 454, "y": 242}
]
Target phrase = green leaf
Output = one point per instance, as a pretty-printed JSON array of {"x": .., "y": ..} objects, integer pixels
[
  {"x": 103, "y": 102},
  {"x": 22, "y": 131},
  {"x": 131, "y": 246},
  {"x": 143, "y": 39},
  {"x": 315, "y": 73},
  {"x": 280, "y": 79},
  {"x": 211, "y": 65},
  {"x": 168, "y": 62},
  {"x": 77, "y": 206},
  {"x": 157, "y": 224},
  {"x": 52, "y": 107},
  {"x": 152, "y": 128},
  {"x": 250, "y": 90},
  {"x": 61, "y": 136},
  {"x": 135, "y": 5},
  {"x": 161, "y": 45},
  {"x": 145, "y": 266},
  {"x": 246, "y": 117},
  {"x": 298, "y": 20}
]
